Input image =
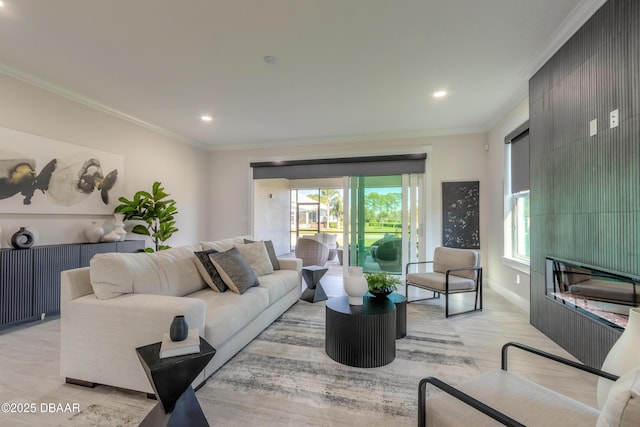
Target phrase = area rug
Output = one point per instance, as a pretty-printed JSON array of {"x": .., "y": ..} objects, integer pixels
[{"x": 285, "y": 378}]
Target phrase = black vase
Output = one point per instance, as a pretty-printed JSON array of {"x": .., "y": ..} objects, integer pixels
[
  {"x": 179, "y": 329},
  {"x": 22, "y": 239}
]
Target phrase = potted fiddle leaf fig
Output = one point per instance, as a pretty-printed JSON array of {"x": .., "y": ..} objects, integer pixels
[{"x": 154, "y": 211}]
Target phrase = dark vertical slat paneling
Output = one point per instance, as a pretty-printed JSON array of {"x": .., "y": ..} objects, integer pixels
[
  {"x": 49, "y": 262},
  {"x": 16, "y": 286},
  {"x": 89, "y": 250},
  {"x": 585, "y": 191},
  {"x": 130, "y": 246}
]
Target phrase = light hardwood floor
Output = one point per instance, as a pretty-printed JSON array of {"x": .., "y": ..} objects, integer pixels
[{"x": 29, "y": 360}]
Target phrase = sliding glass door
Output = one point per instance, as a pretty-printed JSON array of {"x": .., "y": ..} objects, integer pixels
[{"x": 383, "y": 221}]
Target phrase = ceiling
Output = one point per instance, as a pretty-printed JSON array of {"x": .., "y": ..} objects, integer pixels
[{"x": 345, "y": 69}]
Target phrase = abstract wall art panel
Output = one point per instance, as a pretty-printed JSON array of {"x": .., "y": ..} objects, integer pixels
[
  {"x": 461, "y": 214},
  {"x": 41, "y": 175}
]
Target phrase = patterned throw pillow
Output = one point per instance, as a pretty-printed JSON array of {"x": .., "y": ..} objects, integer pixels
[
  {"x": 208, "y": 270},
  {"x": 257, "y": 257},
  {"x": 234, "y": 270},
  {"x": 270, "y": 250}
]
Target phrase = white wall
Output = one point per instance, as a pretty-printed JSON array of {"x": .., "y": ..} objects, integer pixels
[
  {"x": 450, "y": 158},
  {"x": 502, "y": 276},
  {"x": 148, "y": 156},
  {"x": 272, "y": 213}
]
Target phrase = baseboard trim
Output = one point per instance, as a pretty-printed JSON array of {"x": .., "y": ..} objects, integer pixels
[{"x": 510, "y": 296}]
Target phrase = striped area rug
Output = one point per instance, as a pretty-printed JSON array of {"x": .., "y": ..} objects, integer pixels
[{"x": 285, "y": 378}]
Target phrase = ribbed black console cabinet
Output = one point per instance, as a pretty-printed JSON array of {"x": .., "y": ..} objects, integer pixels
[{"x": 30, "y": 278}]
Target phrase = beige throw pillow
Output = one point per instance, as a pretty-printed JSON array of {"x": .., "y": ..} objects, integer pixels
[{"x": 257, "y": 256}]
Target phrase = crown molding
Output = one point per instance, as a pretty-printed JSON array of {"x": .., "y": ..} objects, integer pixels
[
  {"x": 65, "y": 93},
  {"x": 348, "y": 139},
  {"x": 572, "y": 23}
]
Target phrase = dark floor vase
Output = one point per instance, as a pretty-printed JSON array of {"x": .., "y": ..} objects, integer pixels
[{"x": 179, "y": 329}]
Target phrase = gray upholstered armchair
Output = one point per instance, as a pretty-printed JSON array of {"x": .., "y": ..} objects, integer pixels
[
  {"x": 311, "y": 252},
  {"x": 454, "y": 271}
]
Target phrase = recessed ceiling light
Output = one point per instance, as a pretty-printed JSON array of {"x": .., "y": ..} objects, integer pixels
[
  {"x": 1, "y": 4},
  {"x": 271, "y": 60},
  {"x": 440, "y": 94},
  {"x": 206, "y": 118}
]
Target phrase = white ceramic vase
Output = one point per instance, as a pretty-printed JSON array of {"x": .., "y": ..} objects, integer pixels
[
  {"x": 623, "y": 356},
  {"x": 111, "y": 237},
  {"x": 355, "y": 285},
  {"x": 94, "y": 232},
  {"x": 118, "y": 225}
]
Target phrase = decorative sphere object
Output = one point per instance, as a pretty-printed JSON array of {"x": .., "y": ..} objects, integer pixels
[
  {"x": 94, "y": 232},
  {"x": 355, "y": 285},
  {"x": 179, "y": 329}
]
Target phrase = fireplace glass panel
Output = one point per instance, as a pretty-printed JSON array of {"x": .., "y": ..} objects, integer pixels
[{"x": 596, "y": 292}]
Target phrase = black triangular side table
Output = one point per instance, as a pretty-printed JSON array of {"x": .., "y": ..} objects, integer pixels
[
  {"x": 171, "y": 380},
  {"x": 312, "y": 275}
]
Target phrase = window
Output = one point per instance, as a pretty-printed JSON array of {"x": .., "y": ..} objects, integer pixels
[
  {"x": 520, "y": 248},
  {"x": 517, "y": 241}
]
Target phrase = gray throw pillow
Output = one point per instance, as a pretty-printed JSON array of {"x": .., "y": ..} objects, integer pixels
[
  {"x": 270, "y": 250},
  {"x": 208, "y": 270},
  {"x": 234, "y": 270}
]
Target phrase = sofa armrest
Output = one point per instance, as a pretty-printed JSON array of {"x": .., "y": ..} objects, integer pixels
[
  {"x": 98, "y": 338},
  {"x": 74, "y": 284},
  {"x": 290, "y": 264}
]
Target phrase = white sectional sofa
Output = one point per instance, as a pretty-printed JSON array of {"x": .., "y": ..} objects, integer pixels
[{"x": 138, "y": 296}]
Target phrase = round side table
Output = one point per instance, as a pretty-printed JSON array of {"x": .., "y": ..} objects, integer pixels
[{"x": 361, "y": 335}]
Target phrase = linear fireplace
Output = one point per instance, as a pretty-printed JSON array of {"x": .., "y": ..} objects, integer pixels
[{"x": 596, "y": 292}]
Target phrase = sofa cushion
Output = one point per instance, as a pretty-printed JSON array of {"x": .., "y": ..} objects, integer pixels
[
  {"x": 257, "y": 257},
  {"x": 223, "y": 244},
  {"x": 622, "y": 407},
  {"x": 208, "y": 270},
  {"x": 234, "y": 270},
  {"x": 279, "y": 283},
  {"x": 271, "y": 251},
  {"x": 228, "y": 313},
  {"x": 169, "y": 272}
]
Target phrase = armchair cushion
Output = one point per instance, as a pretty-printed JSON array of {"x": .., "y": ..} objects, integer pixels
[
  {"x": 521, "y": 399},
  {"x": 449, "y": 259},
  {"x": 437, "y": 281},
  {"x": 622, "y": 407}
]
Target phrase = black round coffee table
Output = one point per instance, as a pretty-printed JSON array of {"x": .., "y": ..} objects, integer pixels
[{"x": 361, "y": 335}]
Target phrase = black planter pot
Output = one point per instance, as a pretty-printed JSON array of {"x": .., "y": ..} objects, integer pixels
[
  {"x": 179, "y": 329},
  {"x": 381, "y": 293}
]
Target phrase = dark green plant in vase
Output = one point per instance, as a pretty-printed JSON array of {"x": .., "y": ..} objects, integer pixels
[
  {"x": 155, "y": 210},
  {"x": 381, "y": 284}
]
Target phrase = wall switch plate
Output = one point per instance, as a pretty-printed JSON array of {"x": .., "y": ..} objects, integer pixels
[
  {"x": 517, "y": 279},
  {"x": 613, "y": 118},
  {"x": 593, "y": 127}
]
